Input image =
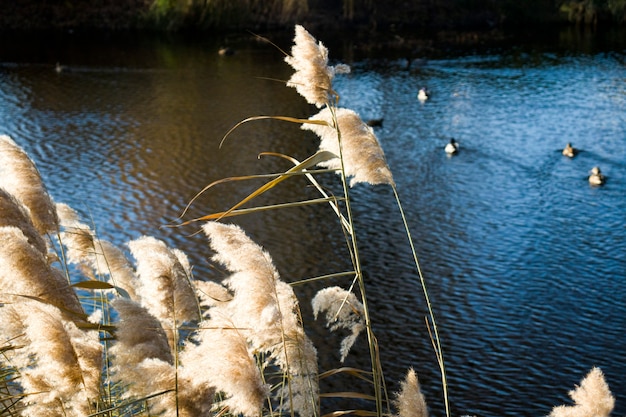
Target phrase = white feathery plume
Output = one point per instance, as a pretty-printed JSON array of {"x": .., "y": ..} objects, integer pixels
[
  {"x": 101, "y": 257},
  {"x": 20, "y": 177},
  {"x": 139, "y": 335},
  {"x": 265, "y": 310},
  {"x": 220, "y": 359},
  {"x": 148, "y": 377},
  {"x": 141, "y": 356},
  {"x": 592, "y": 398},
  {"x": 343, "y": 311},
  {"x": 211, "y": 294},
  {"x": 313, "y": 76},
  {"x": 410, "y": 400},
  {"x": 363, "y": 157},
  {"x": 24, "y": 271},
  {"x": 15, "y": 214},
  {"x": 64, "y": 372},
  {"x": 164, "y": 284}
]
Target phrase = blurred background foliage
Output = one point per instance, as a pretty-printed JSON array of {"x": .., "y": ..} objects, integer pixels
[{"x": 224, "y": 15}]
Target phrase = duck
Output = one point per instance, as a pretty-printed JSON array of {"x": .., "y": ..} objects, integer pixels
[
  {"x": 569, "y": 151},
  {"x": 452, "y": 147},
  {"x": 374, "y": 122},
  {"x": 423, "y": 94},
  {"x": 226, "y": 51},
  {"x": 596, "y": 177}
]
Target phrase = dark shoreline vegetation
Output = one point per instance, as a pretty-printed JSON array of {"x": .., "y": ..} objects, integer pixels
[
  {"x": 361, "y": 15},
  {"x": 352, "y": 28}
]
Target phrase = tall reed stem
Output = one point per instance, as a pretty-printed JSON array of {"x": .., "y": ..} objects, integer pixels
[
  {"x": 376, "y": 376},
  {"x": 436, "y": 342}
]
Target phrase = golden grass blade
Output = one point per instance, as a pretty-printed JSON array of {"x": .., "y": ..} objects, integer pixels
[
  {"x": 283, "y": 118},
  {"x": 239, "y": 212},
  {"x": 244, "y": 178},
  {"x": 93, "y": 285},
  {"x": 307, "y": 163},
  {"x": 359, "y": 373},
  {"x": 362, "y": 413},
  {"x": 7, "y": 348},
  {"x": 222, "y": 181},
  {"x": 323, "y": 277},
  {"x": 348, "y": 394},
  {"x": 101, "y": 285},
  {"x": 264, "y": 39},
  {"x": 313, "y": 181},
  {"x": 76, "y": 314},
  {"x": 97, "y": 326}
]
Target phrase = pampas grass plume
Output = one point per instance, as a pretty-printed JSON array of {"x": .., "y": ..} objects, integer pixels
[
  {"x": 165, "y": 285},
  {"x": 313, "y": 76},
  {"x": 363, "y": 157},
  {"x": 67, "y": 362},
  {"x": 221, "y": 359},
  {"x": 141, "y": 357},
  {"x": 15, "y": 214},
  {"x": 410, "y": 400},
  {"x": 139, "y": 335},
  {"x": 591, "y": 399},
  {"x": 19, "y": 176},
  {"x": 343, "y": 310},
  {"x": 24, "y": 271},
  {"x": 101, "y": 257},
  {"x": 265, "y": 309}
]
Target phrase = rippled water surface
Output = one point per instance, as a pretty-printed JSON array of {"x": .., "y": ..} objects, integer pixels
[{"x": 525, "y": 262}]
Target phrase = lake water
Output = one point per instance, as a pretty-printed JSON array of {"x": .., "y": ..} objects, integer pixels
[{"x": 525, "y": 261}]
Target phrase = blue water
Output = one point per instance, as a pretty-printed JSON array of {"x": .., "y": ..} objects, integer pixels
[{"x": 525, "y": 262}]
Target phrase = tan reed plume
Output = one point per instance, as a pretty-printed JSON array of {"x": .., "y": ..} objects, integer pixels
[
  {"x": 410, "y": 401},
  {"x": 24, "y": 271},
  {"x": 591, "y": 398},
  {"x": 211, "y": 294},
  {"x": 20, "y": 177},
  {"x": 219, "y": 358},
  {"x": 313, "y": 76},
  {"x": 94, "y": 255},
  {"x": 142, "y": 360},
  {"x": 164, "y": 284},
  {"x": 363, "y": 157},
  {"x": 61, "y": 365},
  {"x": 138, "y": 335},
  {"x": 342, "y": 311},
  {"x": 15, "y": 214},
  {"x": 265, "y": 310}
]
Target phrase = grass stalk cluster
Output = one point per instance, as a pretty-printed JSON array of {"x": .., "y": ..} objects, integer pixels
[{"x": 92, "y": 329}]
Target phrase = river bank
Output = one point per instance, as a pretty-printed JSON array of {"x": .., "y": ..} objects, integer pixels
[{"x": 357, "y": 15}]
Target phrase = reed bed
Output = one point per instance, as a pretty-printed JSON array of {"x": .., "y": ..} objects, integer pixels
[{"x": 93, "y": 329}]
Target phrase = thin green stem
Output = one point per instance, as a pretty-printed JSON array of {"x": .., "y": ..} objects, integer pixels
[
  {"x": 376, "y": 376},
  {"x": 437, "y": 341}
]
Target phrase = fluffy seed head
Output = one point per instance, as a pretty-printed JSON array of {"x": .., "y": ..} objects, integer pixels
[
  {"x": 20, "y": 177},
  {"x": 591, "y": 398},
  {"x": 343, "y": 311},
  {"x": 313, "y": 76},
  {"x": 363, "y": 157},
  {"x": 410, "y": 400}
]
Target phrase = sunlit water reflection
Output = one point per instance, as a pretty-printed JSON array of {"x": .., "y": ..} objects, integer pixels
[{"x": 525, "y": 262}]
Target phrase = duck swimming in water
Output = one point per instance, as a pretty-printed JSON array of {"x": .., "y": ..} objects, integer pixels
[
  {"x": 596, "y": 177},
  {"x": 452, "y": 147},
  {"x": 226, "y": 51},
  {"x": 423, "y": 94},
  {"x": 374, "y": 122},
  {"x": 569, "y": 151}
]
